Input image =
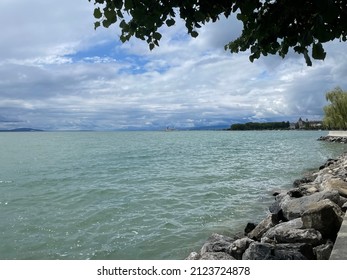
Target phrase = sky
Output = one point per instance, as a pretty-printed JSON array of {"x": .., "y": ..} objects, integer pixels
[{"x": 58, "y": 73}]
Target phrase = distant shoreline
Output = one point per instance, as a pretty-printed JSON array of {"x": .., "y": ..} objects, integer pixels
[{"x": 21, "y": 130}]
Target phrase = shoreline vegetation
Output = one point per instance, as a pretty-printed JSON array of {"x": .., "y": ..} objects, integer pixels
[
  {"x": 300, "y": 124},
  {"x": 301, "y": 224},
  {"x": 260, "y": 126}
]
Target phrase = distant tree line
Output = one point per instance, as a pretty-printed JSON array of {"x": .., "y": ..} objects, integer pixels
[{"x": 260, "y": 126}]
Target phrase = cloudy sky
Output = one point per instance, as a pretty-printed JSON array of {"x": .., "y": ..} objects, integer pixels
[{"x": 57, "y": 72}]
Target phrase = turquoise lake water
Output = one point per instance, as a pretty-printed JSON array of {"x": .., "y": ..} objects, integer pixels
[{"x": 141, "y": 195}]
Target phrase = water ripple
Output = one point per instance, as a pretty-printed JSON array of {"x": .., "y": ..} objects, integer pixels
[{"x": 141, "y": 195}]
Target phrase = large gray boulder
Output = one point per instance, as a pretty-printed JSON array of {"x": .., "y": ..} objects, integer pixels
[
  {"x": 292, "y": 232},
  {"x": 216, "y": 256},
  {"x": 323, "y": 252},
  {"x": 217, "y": 243},
  {"x": 239, "y": 246},
  {"x": 293, "y": 235},
  {"x": 305, "y": 180},
  {"x": 249, "y": 227},
  {"x": 209, "y": 256},
  {"x": 328, "y": 163},
  {"x": 344, "y": 207},
  {"x": 324, "y": 216},
  {"x": 276, "y": 211},
  {"x": 294, "y": 207},
  {"x": 337, "y": 184},
  {"x": 266, "y": 251},
  {"x": 263, "y": 227},
  {"x": 193, "y": 256},
  {"x": 309, "y": 189},
  {"x": 283, "y": 227}
]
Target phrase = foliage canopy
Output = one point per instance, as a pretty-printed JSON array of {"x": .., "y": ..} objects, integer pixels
[
  {"x": 336, "y": 112},
  {"x": 269, "y": 26}
]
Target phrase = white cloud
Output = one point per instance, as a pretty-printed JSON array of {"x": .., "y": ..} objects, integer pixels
[{"x": 58, "y": 73}]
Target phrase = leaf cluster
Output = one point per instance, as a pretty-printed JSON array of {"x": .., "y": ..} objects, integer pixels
[
  {"x": 269, "y": 26},
  {"x": 272, "y": 27},
  {"x": 143, "y": 18}
]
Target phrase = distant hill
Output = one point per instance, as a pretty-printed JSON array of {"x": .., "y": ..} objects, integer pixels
[
  {"x": 212, "y": 127},
  {"x": 22, "y": 129}
]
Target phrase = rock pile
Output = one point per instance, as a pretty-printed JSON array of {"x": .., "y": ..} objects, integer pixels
[
  {"x": 302, "y": 223},
  {"x": 337, "y": 139}
]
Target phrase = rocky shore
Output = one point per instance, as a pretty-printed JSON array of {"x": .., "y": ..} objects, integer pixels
[
  {"x": 336, "y": 139},
  {"x": 302, "y": 223}
]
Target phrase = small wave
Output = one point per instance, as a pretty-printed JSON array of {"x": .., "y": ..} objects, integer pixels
[{"x": 6, "y": 182}]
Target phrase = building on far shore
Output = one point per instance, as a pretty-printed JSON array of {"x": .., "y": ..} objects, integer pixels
[{"x": 301, "y": 124}]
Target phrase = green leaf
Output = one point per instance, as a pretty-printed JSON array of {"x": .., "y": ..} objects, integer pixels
[
  {"x": 318, "y": 51},
  {"x": 122, "y": 24},
  {"x": 307, "y": 58},
  {"x": 106, "y": 23},
  {"x": 197, "y": 25},
  {"x": 97, "y": 13},
  {"x": 119, "y": 14},
  {"x": 128, "y": 4},
  {"x": 194, "y": 34},
  {"x": 123, "y": 38},
  {"x": 110, "y": 14},
  {"x": 255, "y": 55},
  {"x": 156, "y": 35},
  {"x": 200, "y": 16},
  {"x": 170, "y": 22},
  {"x": 96, "y": 24},
  {"x": 118, "y": 4},
  {"x": 151, "y": 46},
  {"x": 241, "y": 17}
]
